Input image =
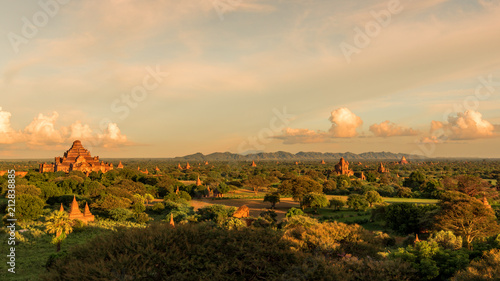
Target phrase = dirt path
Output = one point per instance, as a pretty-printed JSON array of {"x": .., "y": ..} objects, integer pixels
[{"x": 256, "y": 205}]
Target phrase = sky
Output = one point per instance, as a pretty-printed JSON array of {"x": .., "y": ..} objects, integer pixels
[{"x": 164, "y": 78}]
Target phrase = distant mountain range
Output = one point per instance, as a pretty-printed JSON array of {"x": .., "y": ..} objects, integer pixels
[{"x": 287, "y": 156}]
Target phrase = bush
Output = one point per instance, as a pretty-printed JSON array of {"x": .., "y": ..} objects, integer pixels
[
  {"x": 187, "y": 252},
  {"x": 336, "y": 204},
  {"x": 141, "y": 217},
  {"x": 357, "y": 202},
  {"x": 294, "y": 212},
  {"x": 215, "y": 213},
  {"x": 120, "y": 214},
  {"x": 158, "y": 208},
  {"x": 487, "y": 268}
]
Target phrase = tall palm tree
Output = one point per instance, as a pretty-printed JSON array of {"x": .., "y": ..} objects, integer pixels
[{"x": 60, "y": 224}]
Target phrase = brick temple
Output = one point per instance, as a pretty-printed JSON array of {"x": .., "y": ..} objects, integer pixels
[
  {"x": 342, "y": 168},
  {"x": 77, "y": 158}
]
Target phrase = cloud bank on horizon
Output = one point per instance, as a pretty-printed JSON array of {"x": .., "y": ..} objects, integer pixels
[
  {"x": 43, "y": 133},
  {"x": 421, "y": 73}
]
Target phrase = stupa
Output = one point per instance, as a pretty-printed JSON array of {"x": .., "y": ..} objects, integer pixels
[
  {"x": 403, "y": 161},
  {"x": 382, "y": 169},
  {"x": 76, "y": 214},
  {"x": 253, "y": 164}
]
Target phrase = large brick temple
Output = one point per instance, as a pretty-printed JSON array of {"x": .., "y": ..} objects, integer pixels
[{"x": 77, "y": 158}]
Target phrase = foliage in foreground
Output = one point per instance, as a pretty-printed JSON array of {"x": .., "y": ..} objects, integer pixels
[{"x": 205, "y": 251}]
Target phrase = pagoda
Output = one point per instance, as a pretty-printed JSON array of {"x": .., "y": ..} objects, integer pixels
[
  {"x": 382, "y": 169},
  {"x": 323, "y": 162},
  {"x": 198, "y": 181},
  {"x": 253, "y": 164},
  {"x": 77, "y": 158},
  {"x": 120, "y": 165},
  {"x": 76, "y": 214},
  {"x": 188, "y": 166},
  {"x": 403, "y": 161}
]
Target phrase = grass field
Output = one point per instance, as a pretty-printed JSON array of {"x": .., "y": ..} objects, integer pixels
[{"x": 32, "y": 256}]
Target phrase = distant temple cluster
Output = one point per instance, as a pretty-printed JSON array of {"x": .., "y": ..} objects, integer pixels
[{"x": 77, "y": 158}]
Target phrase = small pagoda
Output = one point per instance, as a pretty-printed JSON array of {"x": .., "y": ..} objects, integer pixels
[{"x": 76, "y": 214}]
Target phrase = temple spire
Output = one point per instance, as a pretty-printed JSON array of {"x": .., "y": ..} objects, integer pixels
[{"x": 172, "y": 223}]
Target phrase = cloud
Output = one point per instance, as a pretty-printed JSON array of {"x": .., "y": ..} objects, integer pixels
[
  {"x": 112, "y": 136},
  {"x": 431, "y": 139},
  {"x": 389, "y": 129},
  {"x": 293, "y": 136},
  {"x": 7, "y": 134},
  {"x": 43, "y": 133},
  {"x": 465, "y": 126},
  {"x": 344, "y": 123}
]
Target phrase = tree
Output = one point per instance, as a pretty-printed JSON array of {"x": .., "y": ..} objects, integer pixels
[
  {"x": 60, "y": 224},
  {"x": 372, "y": 196},
  {"x": 256, "y": 182},
  {"x": 404, "y": 192},
  {"x": 28, "y": 207},
  {"x": 487, "y": 268},
  {"x": 149, "y": 198},
  {"x": 467, "y": 217},
  {"x": 336, "y": 203},
  {"x": 329, "y": 186},
  {"x": 471, "y": 185},
  {"x": 371, "y": 177},
  {"x": 223, "y": 188},
  {"x": 314, "y": 200},
  {"x": 357, "y": 202},
  {"x": 294, "y": 212},
  {"x": 415, "y": 180},
  {"x": 272, "y": 198},
  {"x": 407, "y": 218},
  {"x": 299, "y": 187},
  {"x": 216, "y": 213}
]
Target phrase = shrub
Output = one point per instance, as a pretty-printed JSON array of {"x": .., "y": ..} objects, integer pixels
[
  {"x": 187, "y": 252},
  {"x": 336, "y": 203},
  {"x": 120, "y": 214},
  {"x": 294, "y": 212},
  {"x": 158, "y": 208},
  {"x": 357, "y": 202},
  {"x": 141, "y": 217}
]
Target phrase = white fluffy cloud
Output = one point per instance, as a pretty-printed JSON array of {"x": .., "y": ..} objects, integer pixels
[
  {"x": 112, "y": 136},
  {"x": 7, "y": 134},
  {"x": 389, "y": 129},
  {"x": 344, "y": 123},
  {"x": 467, "y": 125},
  {"x": 43, "y": 132}
]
